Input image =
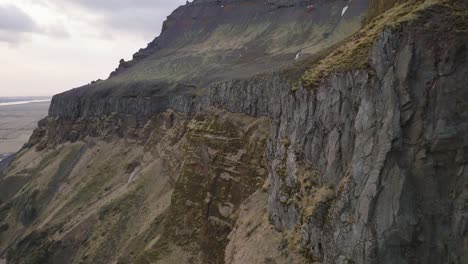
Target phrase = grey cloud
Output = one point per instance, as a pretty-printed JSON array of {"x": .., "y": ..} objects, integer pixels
[
  {"x": 126, "y": 4},
  {"x": 137, "y": 17},
  {"x": 14, "y": 23},
  {"x": 14, "y": 19},
  {"x": 57, "y": 31},
  {"x": 145, "y": 21},
  {"x": 12, "y": 38}
]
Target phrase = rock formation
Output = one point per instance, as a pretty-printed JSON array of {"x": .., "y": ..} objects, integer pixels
[{"x": 355, "y": 153}]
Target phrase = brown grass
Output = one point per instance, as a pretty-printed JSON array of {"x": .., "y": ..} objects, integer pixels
[{"x": 353, "y": 53}]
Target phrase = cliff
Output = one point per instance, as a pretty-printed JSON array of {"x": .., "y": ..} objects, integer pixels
[
  {"x": 355, "y": 153},
  {"x": 208, "y": 42}
]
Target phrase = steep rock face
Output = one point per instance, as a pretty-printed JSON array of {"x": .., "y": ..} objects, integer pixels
[
  {"x": 370, "y": 167},
  {"x": 367, "y": 167},
  {"x": 224, "y": 164},
  {"x": 212, "y": 41},
  {"x": 170, "y": 193}
]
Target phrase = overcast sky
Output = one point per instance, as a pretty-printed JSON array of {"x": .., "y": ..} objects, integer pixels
[{"x": 49, "y": 46}]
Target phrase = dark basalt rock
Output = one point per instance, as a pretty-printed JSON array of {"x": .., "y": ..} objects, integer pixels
[
  {"x": 206, "y": 42},
  {"x": 28, "y": 215},
  {"x": 389, "y": 141}
]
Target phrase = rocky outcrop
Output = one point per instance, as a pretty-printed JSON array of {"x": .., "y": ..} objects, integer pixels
[
  {"x": 389, "y": 142},
  {"x": 377, "y": 141}
]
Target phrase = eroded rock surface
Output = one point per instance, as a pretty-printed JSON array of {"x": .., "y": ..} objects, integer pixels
[{"x": 369, "y": 166}]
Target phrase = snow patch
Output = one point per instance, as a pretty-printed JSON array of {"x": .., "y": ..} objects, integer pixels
[
  {"x": 299, "y": 55},
  {"x": 344, "y": 10},
  {"x": 132, "y": 176},
  {"x": 4, "y": 156}
]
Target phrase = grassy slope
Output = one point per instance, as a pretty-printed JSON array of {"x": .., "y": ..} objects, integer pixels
[
  {"x": 86, "y": 211},
  {"x": 353, "y": 53},
  {"x": 228, "y": 44},
  {"x": 79, "y": 196}
]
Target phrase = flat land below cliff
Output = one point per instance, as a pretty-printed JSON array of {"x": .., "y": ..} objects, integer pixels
[{"x": 17, "y": 122}]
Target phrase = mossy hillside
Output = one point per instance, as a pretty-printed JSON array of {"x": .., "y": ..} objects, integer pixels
[
  {"x": 11, "y": 185},
  {"x": 4, "y": 211},
  {"x": 91, "y": 188},
  {"x": 127, "y": 208},
  {"x": 26, "y": 205},
  {"x": 32, "y": 166},
  {"x": 38, "y": 196},
  {"x": 223, "y": 166},
  {"x": 127, "y": 217},
  {"x": 141, "y": 243},
  {"x": 28, "y": 198},
  {"x": 145, "y": 249},
  {"x": 93, "y": 181},
  {"x": 378, "y": 7},
  {"x": 96, "y": 197},
  {"x": 163, "y": 131},
  {"x": 352, "y": 54},
  {"x": 155, "y": 255},
  {"x": 210, "y": 45},
  {"x": 66, "y": 166},
  {"x": 32, "y": 173},
  {"x": 33, "y": 249},
  {"x": 105, "y": 221},
  {"x": 255, "y": 240},
  {"x": 113, "y": 229},
  {"x": 48, "y": 170}
]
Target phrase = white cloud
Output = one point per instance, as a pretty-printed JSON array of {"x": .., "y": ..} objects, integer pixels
[
  {"x": 68, "y": 43},
  {"x": 137, "y": 17},
  {"x": 15, "y": 23}
]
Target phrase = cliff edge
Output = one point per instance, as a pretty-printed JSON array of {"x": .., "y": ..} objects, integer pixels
[{"x": 307, "y": 133}]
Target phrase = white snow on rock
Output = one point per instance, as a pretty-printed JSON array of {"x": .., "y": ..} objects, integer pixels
[
  {"x": 298, "y": 55},
  {"x": 344, "y": 10}
]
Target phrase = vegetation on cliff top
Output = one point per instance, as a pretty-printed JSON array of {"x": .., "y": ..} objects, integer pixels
[{"x": 353, "y": 53}]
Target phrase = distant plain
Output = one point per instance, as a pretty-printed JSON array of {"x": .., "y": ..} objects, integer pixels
[{"x": 17, "y": 123}]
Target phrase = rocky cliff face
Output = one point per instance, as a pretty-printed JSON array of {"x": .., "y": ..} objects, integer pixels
[
  {"x": 212, "y": 41},
  {"x": 365, "y": 163}
]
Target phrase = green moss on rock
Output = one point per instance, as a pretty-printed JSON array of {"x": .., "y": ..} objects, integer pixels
[{"x": 353, "y": 53}]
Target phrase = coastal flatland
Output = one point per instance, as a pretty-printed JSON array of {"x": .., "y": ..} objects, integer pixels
[{"x": 17, "y": 122}]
